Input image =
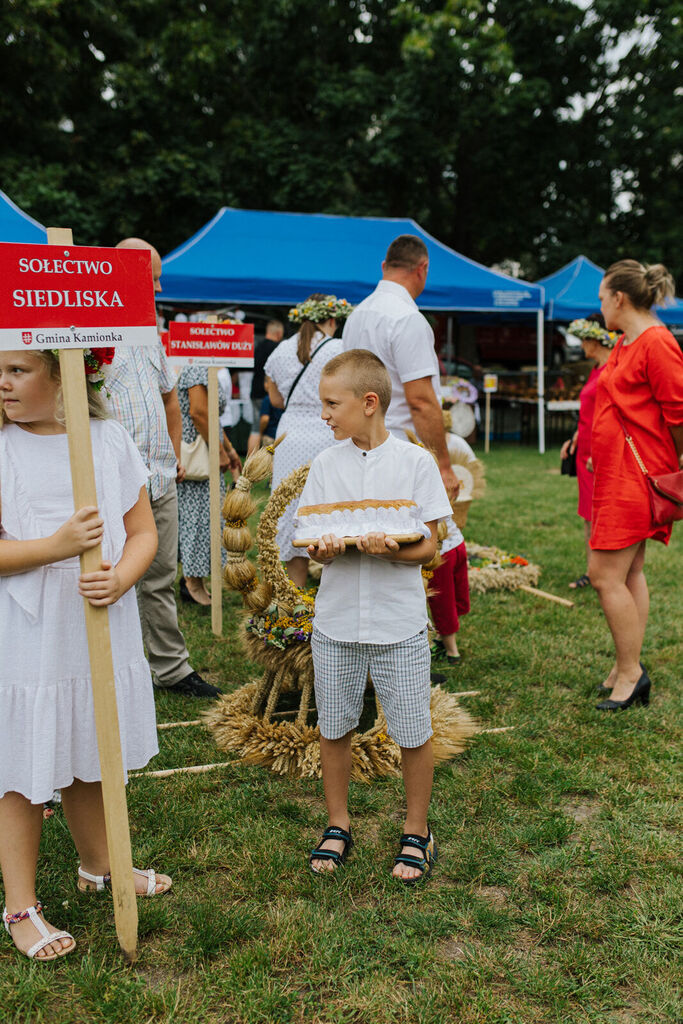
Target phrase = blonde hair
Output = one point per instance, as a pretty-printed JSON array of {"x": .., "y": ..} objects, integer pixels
[
  {"x": 646, "y": 286},
  {"x": 97, "y": 408},
  {"x": 363, "y": 372}
]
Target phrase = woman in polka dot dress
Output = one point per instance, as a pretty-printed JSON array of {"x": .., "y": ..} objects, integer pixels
[{"x": 292, "y": 380}]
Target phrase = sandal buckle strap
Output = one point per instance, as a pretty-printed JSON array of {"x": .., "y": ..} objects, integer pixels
[
  {"x": 335, "y": 832},
  {"x": 421, "y": 842},
  {"x": 411, "y": 862},
  {"x": 101, "y": 881},
  {"x": 10, "y": 919}
]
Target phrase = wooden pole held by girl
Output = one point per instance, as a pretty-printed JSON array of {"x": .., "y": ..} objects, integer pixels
[{"x": 99, "y": 645}]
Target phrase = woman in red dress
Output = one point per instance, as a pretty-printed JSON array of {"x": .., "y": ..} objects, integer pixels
[
  {"x": 643, "y": 383},
  {"x": 597, "y": 343}
]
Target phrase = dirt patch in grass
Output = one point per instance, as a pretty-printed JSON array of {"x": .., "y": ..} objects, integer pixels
[
  {"x": 581, "y": 809},
  {"x": 458, "y": 949},
  {"x": 496, "y": 895},
  {"x": 526, "y": 944},
  {"x": 632, "y": 1013},
  {"x": 158, "y": 978}
]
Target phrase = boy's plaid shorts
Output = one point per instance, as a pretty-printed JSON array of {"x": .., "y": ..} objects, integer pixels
[{"x": 400, "y": 675}]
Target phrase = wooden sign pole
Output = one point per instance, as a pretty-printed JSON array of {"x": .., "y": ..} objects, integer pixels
[
  {"x": 215, "y": 498},
  {"x": 487, "y": 422},
  {"x": 72, "y": 372},
  {"x": 215, "y": 504}
]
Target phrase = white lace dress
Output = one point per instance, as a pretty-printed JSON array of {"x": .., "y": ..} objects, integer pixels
[
  {"x": 306, "y": 433},
  {"x": 46, "y": 706}
]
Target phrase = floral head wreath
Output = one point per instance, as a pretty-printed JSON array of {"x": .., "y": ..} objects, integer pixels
[
  {"x": 590, "y": 330},
  {"x": 95, "y": 359},
  {"x": 318, "y": 310}
]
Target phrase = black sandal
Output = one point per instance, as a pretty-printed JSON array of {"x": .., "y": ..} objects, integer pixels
[
  {"x": 441, "y": 655},
  {"x": 424, "y": 863},
  {"x": 339, "y": 859},
  {"x": 583, "y": 581}
]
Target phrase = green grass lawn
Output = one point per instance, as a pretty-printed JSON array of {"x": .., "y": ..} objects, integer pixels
[{"x": 556, "y": 896}]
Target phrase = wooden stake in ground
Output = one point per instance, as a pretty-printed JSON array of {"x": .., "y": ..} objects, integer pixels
[
  {"x": 72, "y": 372},
  {"x": 490, "y": 385},
  {"x": 215, "y": 504},
  {"x": 487, "y": 422}
]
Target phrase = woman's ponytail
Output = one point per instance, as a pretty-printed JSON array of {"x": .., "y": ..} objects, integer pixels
[
  {"x": 646, "y": 286},
  {"x": 307, "y": 332}
]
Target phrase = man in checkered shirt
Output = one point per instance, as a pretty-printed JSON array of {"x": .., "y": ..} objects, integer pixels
[
  {"x": 143, "y": 397},
  {"x": 370, "y": 612}
]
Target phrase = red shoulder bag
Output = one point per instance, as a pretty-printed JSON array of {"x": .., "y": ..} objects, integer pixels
[{"x": 666, "y": 492}]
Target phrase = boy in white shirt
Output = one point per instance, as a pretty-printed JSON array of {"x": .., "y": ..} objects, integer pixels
[{"x": 370, "y": 612}]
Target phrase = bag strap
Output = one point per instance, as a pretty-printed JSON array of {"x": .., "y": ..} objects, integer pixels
[
  {"x": 630, "y": 442},
  {"x": 303, "y": 370}
]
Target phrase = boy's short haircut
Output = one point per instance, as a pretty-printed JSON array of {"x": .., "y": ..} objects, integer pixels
[
  {"x": 406, "y": 251},
  {"x": 364, "y": 372}
]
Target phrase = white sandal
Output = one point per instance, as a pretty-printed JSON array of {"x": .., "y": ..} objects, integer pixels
[
  {"x": 47, "y": 937},
  {"x": 104, "y": 882}
]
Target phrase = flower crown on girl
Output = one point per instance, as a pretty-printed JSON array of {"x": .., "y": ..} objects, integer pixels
[
  {"x": 95, "y": 359},
  {"x": 318, "y": 310}
]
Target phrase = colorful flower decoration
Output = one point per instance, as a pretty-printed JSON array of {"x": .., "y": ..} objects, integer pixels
[
  {"x": 279, "y": 630},
  {"x": 95, "y": 359},
  {"x": 318, "y": 310},
  {"x": 590, "y": 330},
  {"x": 503, "y": 559}
]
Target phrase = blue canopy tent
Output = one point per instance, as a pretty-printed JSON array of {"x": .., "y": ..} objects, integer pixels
[
  {"x": 572, "y": 291},
  {"x": 260, "y": 256},
  {"x": 17, "y": 226},
  {"x": 267, "y": 257}
]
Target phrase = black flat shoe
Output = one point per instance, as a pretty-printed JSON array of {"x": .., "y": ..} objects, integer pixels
[
  {"x": 607, "y": 689},
  {"x": 441, "y": 656},
  {"x": 192, "y": 686},
  {"x": 639, "y": 695}
]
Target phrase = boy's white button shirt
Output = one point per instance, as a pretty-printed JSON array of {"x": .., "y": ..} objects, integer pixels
[{"x": 364, "y": 599}]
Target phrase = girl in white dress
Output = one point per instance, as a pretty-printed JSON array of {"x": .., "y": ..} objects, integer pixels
[
  {"x": 46, "y": 705},
  {"x": 292, "y": 381}
]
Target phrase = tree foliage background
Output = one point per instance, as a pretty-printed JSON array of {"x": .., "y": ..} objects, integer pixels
[{"x": 525, "y": 130}]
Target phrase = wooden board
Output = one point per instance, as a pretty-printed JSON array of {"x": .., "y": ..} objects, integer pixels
[
  {"x": 72, "y": 373},
  {"x": 215, "y": 504}
]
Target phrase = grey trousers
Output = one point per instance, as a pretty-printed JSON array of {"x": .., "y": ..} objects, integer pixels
[{"x": 166, "y": 651}]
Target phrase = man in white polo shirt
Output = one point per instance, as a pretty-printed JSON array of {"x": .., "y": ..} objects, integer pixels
[{"x": 389, "y": 323}]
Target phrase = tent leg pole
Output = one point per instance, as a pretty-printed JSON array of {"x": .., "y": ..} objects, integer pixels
[{"x": 541, "y": 380}]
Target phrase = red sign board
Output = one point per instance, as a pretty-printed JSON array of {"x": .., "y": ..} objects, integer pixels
[
  {"x": 73, "y": 296},
  {"x": 211, "y": 344}
]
